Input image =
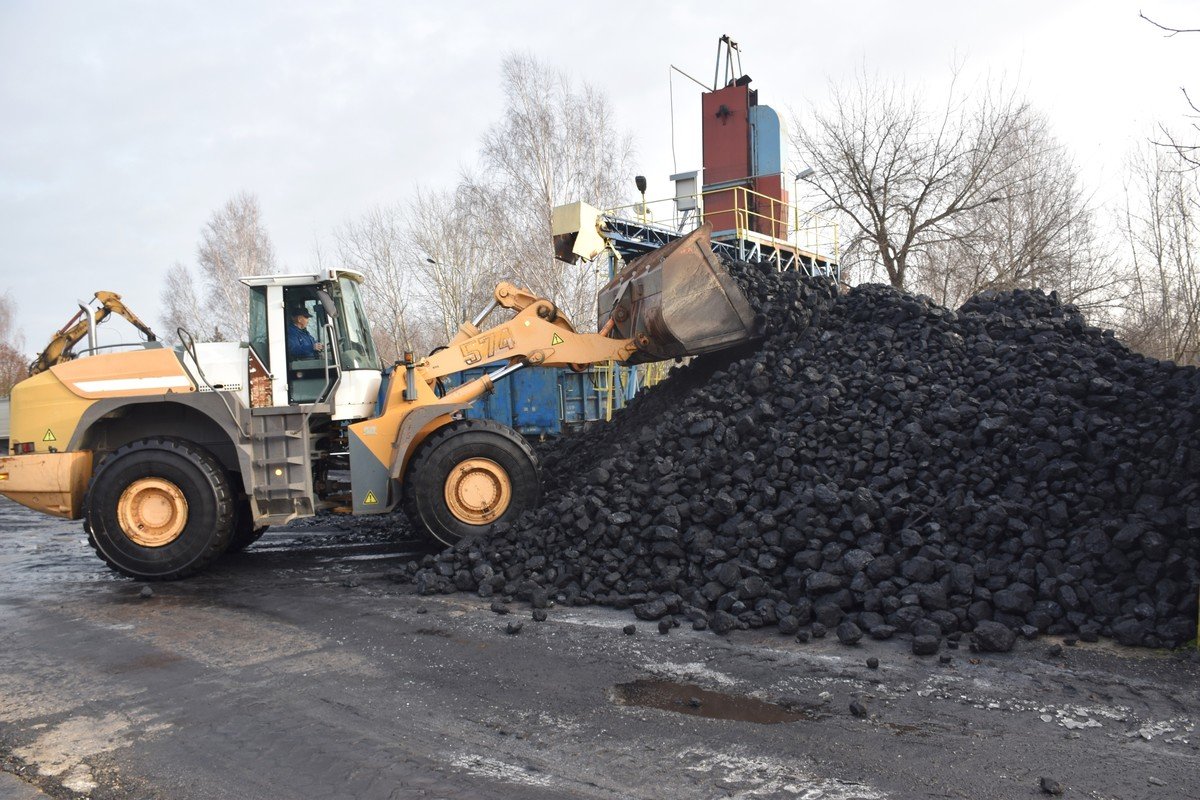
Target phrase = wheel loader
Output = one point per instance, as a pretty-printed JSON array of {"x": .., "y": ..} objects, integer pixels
[{"x": 173, "y": 455}]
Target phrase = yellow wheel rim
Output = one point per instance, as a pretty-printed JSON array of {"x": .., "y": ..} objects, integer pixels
[
  {"x": 152, "y": 512},
  {"x": 478, "y": 491}
]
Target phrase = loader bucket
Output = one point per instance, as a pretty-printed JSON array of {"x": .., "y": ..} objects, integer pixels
[{"x": 677, "y": 301}]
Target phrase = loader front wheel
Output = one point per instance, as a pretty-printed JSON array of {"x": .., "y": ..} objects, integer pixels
[
  {"x": 467, "y": 477},
  {"x": 159, "y": 509}
]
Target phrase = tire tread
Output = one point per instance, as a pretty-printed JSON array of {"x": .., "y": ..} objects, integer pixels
[
  {"x": 420, "y": 468},
  {"x": 213, "y": 474}
]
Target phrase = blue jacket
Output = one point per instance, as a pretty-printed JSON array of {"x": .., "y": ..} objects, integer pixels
[{"x": 300, "y": 343}]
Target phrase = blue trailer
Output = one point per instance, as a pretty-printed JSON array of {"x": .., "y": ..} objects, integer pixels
[{"x": 540, "y": 401}]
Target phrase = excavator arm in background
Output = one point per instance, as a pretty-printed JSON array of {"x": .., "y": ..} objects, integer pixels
[{"x": 64, "y": 340}]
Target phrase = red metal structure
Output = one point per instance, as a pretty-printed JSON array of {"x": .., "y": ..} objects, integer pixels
[{"x": 743, "y": 148}]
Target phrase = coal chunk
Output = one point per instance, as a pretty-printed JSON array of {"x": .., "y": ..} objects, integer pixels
[
  {"x": 925, "y": 645},
  {"x": 992, "y": 637},
  {"x": 849, "y": 633},
  {"x": 722, "y": 622},
  {"x": 652, "y": 610},
  {"x": 1050, "y": 786}
]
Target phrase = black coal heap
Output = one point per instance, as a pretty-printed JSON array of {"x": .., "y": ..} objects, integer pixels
[{"x": 879, "y": 460}]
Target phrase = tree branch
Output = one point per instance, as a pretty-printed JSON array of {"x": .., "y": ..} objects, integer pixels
[{"x": 1170, "y": 31}]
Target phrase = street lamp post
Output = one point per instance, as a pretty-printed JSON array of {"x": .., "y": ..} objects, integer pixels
[
  {"x": 799, "y": 176},
  {"x": 462, "y": 312}
]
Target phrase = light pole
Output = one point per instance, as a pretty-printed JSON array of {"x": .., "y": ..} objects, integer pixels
[
  {"x": 462, "y": 312},
  {"x": 799, "y": 176},
  {"x": 640, "y": 182}
]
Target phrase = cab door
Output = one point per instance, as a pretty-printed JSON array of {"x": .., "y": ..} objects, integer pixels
[{"x": 310, "y": 375}]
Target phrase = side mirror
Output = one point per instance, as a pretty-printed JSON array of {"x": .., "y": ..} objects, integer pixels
[{"x": 327, "y": 302}]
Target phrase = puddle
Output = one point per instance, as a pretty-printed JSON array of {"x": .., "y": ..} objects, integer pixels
[
  {"x": 899, "y": 729},
  {"x": 151, "y": 661},
  {"x": 688, "y": 698}
]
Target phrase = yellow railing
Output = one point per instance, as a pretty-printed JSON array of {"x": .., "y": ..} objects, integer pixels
[
  {"x": 656, "y": 372},
  {"x": 605, "y": 383},
  {"x": 753, "y": 215}
]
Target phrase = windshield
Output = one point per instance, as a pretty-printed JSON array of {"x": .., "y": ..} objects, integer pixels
[{"x": 354, "y": 332}]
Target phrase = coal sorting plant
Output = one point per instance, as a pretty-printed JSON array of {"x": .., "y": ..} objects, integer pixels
[{"x": 876, "y": 464}]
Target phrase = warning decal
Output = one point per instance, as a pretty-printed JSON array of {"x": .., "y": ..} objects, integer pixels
[
  {"x": 49, "y": 437},
  {"x": 370, "y": 499},
  {"x": 556, "y": 340}
]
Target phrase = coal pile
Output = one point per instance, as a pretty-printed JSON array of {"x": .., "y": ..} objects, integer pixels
[{"x": 878, "y": 464}]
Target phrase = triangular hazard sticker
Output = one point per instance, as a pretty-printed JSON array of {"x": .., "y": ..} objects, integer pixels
[
  {"x": 556, "y": 340},
  {"x": 49, "y": 437},
  {"x": 370, "y": 499}
]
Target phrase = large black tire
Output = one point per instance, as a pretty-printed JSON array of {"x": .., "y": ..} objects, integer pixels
[
  {"x": 206, "y": 527},
  {"x": 244, "y": 532},
  {"x": 502, "y": 450}
]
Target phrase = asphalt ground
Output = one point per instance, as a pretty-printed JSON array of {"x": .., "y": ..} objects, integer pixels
[{"x": 298, "y": 669}]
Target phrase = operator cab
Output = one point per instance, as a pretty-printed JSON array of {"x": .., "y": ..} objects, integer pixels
[{"x": 310, "y": 343}]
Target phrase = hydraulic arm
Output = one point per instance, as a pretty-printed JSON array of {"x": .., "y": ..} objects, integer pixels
[
  {"x": 674, "y": 302},
  {"x": 83, "y": 324}
]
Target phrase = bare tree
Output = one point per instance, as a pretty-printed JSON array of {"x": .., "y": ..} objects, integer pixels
[
  {"x": 14, "y": 367},
  {"x": 435, "y": 261},
  {"x": 1040, "y": 233},
  {"x": 908, "y": 177},
  {"x": 557, "y": 143},
  {"x": 181, "y": 305},
  {"x": 1161, "y": 225},
  {"x": 376, "y": 245},
  {"x": 233, "y": 244},
  {"x": 457, "y": 257},
  {"x": 8, "y": 329},
  {"x": 1189, "y": 154}
]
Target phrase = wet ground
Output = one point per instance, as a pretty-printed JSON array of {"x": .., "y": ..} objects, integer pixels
[{"x": 298, "y": 670}]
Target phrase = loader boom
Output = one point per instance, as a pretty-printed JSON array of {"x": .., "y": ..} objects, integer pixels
[{"x": 64, "y": 340}]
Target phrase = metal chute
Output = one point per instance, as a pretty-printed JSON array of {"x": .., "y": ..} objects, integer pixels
[{"x": 677, "y": 301}]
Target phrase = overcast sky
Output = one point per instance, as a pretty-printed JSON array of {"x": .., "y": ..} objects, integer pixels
[{"x": 123, "y": 125}]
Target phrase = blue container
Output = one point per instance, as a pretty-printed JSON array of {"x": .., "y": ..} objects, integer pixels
[
  {"x": 537, "y": 401},
  {"x": 581, "y": 402},
  {"x": 534, "y": 398}
]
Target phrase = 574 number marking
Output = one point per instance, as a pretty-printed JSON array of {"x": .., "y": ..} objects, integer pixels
[{"x": 485, "y": 347}]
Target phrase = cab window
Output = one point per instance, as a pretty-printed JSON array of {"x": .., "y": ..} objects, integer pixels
[
  {"x": 258, "y": 324},
  {"x": 310, "y": 364}
]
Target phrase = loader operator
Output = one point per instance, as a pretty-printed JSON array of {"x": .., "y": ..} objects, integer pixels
[{"x": 300, "y": 343}]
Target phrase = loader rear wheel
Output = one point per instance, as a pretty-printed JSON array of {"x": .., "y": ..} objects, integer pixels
[
  {"x": 469, "y": 476},
  {"x": 159, "y": 509}
]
